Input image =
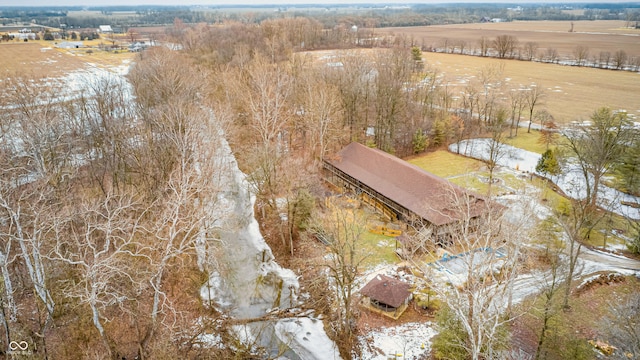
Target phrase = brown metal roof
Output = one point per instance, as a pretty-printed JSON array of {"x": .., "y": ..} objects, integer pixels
[
  {"x": 426, "y": 195},
  {"x": 387, "y": 290}
]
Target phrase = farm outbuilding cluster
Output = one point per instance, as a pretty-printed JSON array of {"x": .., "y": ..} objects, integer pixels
[{"x": 400, "y": 190}]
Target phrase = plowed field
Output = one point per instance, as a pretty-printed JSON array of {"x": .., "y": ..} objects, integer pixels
[{"x": 603, "y": 35}]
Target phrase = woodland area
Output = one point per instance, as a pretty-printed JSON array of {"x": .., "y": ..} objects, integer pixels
[
  {"x": 364, "y": 15},
  {"x": 104, "y": 196}
]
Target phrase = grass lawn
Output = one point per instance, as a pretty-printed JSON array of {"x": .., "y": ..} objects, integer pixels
[
  {"x": 380, "y": 249},
  {"x": 602, "y": 233},
  {"x": 35, "y": 58},
  {"x": 101, "y": 57},
  {"x": 528, "y": 141},
  {"x": 472, "y": 182},
  {"x": 445, "y": 164},
  {"x": 549, "y": 196},
  {"x": 465, "y": 172}
]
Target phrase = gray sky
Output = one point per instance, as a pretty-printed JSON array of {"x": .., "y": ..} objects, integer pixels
[{"x": 259, "y": 2}]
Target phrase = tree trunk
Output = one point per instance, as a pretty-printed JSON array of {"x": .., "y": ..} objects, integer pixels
[
  {"x": 98, "y": 324},
  {"x": 543, "y": 331},
  {"x": 8, "y": 287},
  {"x": 34, "y": 265},
  {"x": 573, "y": 260}
]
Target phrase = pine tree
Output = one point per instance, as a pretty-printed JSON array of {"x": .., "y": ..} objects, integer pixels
[{"x": 548, "y": 164}]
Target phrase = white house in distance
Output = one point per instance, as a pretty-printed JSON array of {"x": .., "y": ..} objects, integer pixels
[
  {"x": 70, "y": 45},
  {"x": 24, "y": 34},
  {"x": 105, "y": 29}
]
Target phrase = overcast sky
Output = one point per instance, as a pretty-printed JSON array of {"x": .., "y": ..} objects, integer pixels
[{"x": 259, "y": 2}]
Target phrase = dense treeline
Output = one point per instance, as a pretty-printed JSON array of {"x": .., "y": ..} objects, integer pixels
[
  {"x": 416, "y": 15},
  {"x": 101, "y": 201}
]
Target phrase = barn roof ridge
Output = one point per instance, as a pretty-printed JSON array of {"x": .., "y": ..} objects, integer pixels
[{"x": 423, "y": 193}]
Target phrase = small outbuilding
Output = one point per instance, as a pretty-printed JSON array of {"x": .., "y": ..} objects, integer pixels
[
  {"x": 387, "y": 296},
  {"x": 105, "y": 29},
  {"x": 70, "y": 45}
]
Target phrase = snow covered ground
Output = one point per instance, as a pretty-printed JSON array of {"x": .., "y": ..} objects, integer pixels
[
  {"x": 407, "y": 341},
  {"x": 570, "y": 181},
  {"x": 307, "y": 338},
  {"x": 590, "y": 261}
]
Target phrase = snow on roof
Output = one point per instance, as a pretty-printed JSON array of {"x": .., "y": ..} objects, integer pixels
[{"x": 105, "y": 28}]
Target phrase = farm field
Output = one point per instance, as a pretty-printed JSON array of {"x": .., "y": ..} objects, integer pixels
[
  {"x": 599, "y": 35},
  {"x": 35, "y": 58},
  {"x": 572, "y": 93},
  {"x": 41, "y": 59}
]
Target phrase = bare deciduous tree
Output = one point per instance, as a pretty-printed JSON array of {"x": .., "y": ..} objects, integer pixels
[
  {"x": 552, "y": 281},
  {"x": 533, "y": 97},
  {"x": 597, "y": 147},
  {"x": 342, "y": 229},
  {"x": 98, "y": 241},
  {"x": 517, "y": 104},
  {"x": 322, "y": 115},
  {"x": 577, "y": 221},
  {"x": 484, "y": 44},
  {"x": 530, "y": 50},
  {"x": 106, "y": 116},
  {"x": 479, "y": 293},
  {"x": 394, "y": 69},
  {"x": 551, "y": 55},
  {"x": 35, "y": 118},
  {"x": 490, "y": 78},
  {"x": 354, "y": 82},
  {"x": 580, "y": 54},
  {"x": 496, "y": 144},
  {"x": 620, "y": 59},
  {"x": 623, "y": 326},
  {"x": 604, "y": 59},
  {"x": 505, "y": 45}
]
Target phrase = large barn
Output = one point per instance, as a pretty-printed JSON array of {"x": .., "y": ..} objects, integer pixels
[{"x": 401, "y": 190}]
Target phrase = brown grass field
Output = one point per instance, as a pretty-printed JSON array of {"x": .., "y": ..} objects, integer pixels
[
  {"x": 35, "y": 58},
  {"x": 41, "y": 59},
  {"x": 571, "y": 93},
  {"x": 599, "y": 35}
]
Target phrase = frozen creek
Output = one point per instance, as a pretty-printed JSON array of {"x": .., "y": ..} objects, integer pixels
[{"x": 246, "y": 282}]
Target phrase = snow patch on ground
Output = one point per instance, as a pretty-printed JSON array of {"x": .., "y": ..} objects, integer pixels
[
  {"x": 306, "y": 337},
  {"x": 571, "y": 180},
  {"x": 407, "y": 341}
]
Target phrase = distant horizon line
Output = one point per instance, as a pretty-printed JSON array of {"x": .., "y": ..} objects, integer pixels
[{"x": 337, "y": 3}]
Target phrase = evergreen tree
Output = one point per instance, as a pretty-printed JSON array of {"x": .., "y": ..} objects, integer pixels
[{"x": 548, "y": 164}]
